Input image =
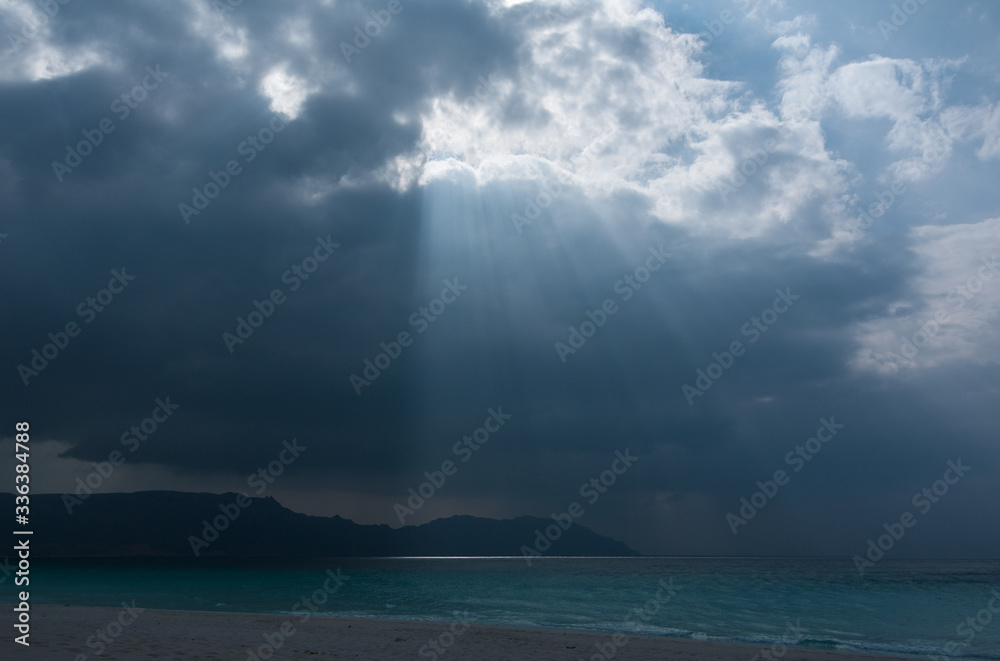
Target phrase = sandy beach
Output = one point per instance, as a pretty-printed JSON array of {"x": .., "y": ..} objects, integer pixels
[{"x": 63, "y": 632}]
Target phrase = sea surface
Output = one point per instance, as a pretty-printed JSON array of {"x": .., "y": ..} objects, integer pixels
[{"x": 906, "y": 607}]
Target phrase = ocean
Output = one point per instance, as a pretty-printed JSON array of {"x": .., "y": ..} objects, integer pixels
[{"x": 904, "y": 607}]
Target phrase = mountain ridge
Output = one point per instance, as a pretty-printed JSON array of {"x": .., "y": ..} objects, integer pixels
[{"x": 178, "y": 524}]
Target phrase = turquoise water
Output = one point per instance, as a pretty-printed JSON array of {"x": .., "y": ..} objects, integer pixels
[{"x": 900, "y": 607}]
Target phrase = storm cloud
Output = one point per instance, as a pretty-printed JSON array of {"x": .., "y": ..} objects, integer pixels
[{"x": 363, "y": 225}]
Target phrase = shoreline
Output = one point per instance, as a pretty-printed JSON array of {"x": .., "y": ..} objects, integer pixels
[{"x": 63, "y": 632}]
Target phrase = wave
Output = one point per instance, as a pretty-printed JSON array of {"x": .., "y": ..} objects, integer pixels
[{"x": 643, "y": 629}]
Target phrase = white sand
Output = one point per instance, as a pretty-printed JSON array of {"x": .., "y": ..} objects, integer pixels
[{"x": 61, "y": 632}]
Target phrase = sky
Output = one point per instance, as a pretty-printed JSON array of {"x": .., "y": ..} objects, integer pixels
[{"x": 750, "y": 245}]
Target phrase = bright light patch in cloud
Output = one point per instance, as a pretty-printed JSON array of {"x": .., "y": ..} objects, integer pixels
[
  {"x": 683, "y": 141},
  {"x": 28, "y": 51},
  {"x": 953, "y": 310},
  {"x": 285, "y": 91}
]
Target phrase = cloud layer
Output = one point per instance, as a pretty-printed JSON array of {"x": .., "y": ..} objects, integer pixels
[{"x": 532, "y": 154}]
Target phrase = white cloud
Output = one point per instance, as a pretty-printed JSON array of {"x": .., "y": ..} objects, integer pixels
[
  {"x": 285, "y": 91},
  {"x": 29, "y": 51},
  {"x": 955, "y": 300},
  {"x": 603, "y": 67},
  {"x": 976, "y": 123},
  {"x": 991, "y": 135},
  {"x": 230, "y": 40},
  {"x": 681, "y": 137},
  {"x": 881, "y": 87},
  {"x": 908, "y": 94}
]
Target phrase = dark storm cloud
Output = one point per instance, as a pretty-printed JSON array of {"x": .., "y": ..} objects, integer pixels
[
  {"x": 494, "y": 346},
  {"x": 120, "y": 208}
]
